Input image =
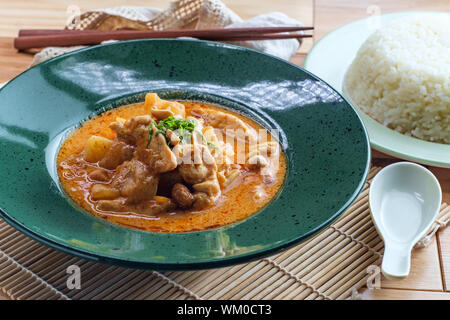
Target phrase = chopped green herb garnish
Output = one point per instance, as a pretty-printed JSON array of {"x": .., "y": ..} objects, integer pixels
[
  {"x": 212, "y": 145},
  {"x": 209, "y": 143},
  {"x": 150, "y": 132},
  {"x": 181, "y": 127},
  {"x": 176, "y": 124}
]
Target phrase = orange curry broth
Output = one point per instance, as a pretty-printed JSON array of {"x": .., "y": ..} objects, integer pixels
[{"x": 235, "y": 203}]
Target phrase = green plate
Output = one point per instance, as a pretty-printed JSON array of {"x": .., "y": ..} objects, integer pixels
[
  {"x": 344, "y": 42},
  {"x": 324, "y": 140}
]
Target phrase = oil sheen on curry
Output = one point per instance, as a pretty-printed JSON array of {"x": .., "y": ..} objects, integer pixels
[{"x": 171, "y": 166}]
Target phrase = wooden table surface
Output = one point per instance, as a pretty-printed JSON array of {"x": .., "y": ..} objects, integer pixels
[{"x": 430, "y": 267}]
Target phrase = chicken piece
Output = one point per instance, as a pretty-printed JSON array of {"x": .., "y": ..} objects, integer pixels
[
  {"x": 158, "y": 154},
  {"x": 257, "y": 161},
  {"x": 211, "y": 186},
  {"x": 202, "y": 200},
  {"x": 198, "y": 167},
  {"x": 182, "y": 196},
  {"x": 222, "y": 152},
  {"x": 116, "y": 155},
  {"x": 162, "y": 109},
  {"x": 135, "y": 182},
  {"x": 206, "y": 192},
  {"x": 195, "y": 162},
  {"x": 130, "y": 134},
  {"x": 194, "y": 173},
  {"x": 155, "y": 153},
  {"x": 265, "y": 158},
  {"x": 132, "y": 130},
  {"x": 210, "y": 136},
  {"x": 232, "y": 124},
  {"x": 234, "y": 130}
]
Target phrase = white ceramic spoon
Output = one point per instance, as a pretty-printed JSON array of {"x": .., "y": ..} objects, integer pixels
[{"x": 404, "y": 201}]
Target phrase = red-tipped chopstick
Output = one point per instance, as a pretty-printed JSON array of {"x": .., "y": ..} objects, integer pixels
[{"x": 43, "y": 38}]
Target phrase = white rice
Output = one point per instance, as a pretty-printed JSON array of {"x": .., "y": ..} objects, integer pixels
[{"x": 401, "y": 77}]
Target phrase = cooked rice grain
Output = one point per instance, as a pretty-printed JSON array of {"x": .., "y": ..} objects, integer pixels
[{"x": 401, "y": 77}]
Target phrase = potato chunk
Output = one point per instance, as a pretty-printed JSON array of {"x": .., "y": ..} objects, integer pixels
[
  {"x": 103, "y": 192},
  {"x": 96, "y": 148}
]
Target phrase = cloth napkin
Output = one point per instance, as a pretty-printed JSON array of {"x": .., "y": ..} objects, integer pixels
[{"x": 180, "y": 14}]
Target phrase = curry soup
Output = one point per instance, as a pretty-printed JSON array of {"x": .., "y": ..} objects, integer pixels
[{"x": 128, "y": 166}]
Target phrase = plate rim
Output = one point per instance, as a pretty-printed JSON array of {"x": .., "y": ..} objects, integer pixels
[
  {"x": 208, "y": 262},
  {"x": 367, "y": 120}
]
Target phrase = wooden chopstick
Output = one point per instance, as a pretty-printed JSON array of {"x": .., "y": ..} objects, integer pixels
[
  {"x": 43, "y": 38},
  {"x": 265, "y": 37},
  {"x": 257, "y": 30}
]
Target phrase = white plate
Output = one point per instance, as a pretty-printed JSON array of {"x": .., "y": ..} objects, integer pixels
[{"x": 330, "y": 58}]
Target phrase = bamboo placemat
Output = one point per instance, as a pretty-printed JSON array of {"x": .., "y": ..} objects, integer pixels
[{"x": 329, "y": 266}]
